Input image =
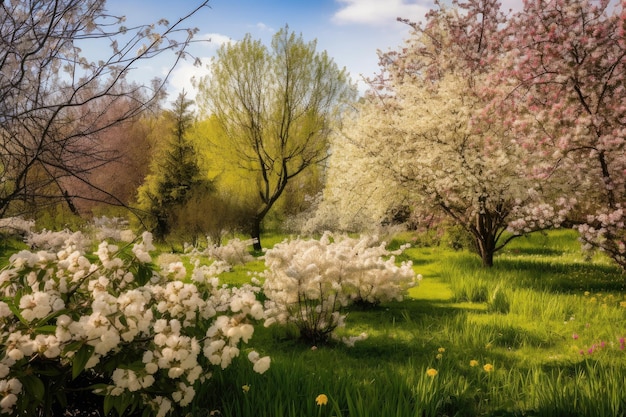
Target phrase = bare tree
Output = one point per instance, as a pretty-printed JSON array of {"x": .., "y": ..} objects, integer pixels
[{"x": 53, "y": 97}]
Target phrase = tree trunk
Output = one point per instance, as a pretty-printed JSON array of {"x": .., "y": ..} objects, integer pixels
[
  {"x": 255, "y": 233},
  {"x": 487, "y": 257}
]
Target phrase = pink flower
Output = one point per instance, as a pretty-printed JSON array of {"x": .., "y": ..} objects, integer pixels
[{"x": 575, "y": 336}]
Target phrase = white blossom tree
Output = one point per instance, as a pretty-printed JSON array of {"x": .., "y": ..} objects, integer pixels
[{"x": 423, "y": 121}]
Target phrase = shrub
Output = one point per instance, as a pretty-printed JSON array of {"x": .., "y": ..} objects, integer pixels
[
  {"x": 140, "y": 339},
  {"x": 235, "y": 252},
  {"x": 310, "y": 282}
]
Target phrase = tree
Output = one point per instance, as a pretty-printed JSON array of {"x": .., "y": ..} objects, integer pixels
[
  {"x": 128, "y": 144},
  {"x": 175, "y": 172},
  {"x": 565, "y": 98},
  {"x": 277, "y": 108},
  {"x": 423, "y": 121},
  {"x": 52, "y": 95}
]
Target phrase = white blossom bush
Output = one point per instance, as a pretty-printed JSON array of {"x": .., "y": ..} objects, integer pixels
[
  {"x": 107, "y": 322},
  {"x": 56, "y": 240},
  {"x": 310, "y": 282},
  {"x": 115, "y": 228},
  {"x": 16, "y": 226},
  {"x": 234, "y": 252}
]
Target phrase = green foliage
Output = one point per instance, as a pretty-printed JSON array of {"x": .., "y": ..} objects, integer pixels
[
  {"x": 458, "y": 238},
  {"x": 58, "y": 217}
]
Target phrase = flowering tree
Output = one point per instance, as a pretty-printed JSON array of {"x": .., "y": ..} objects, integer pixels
[
  {"x": 310, "y": 282},
  {"x": 566, "y": 103},
  {"x": 52, "y": 95},
  {"x": 357, "y": 193},
  {"x": 107, "y": 322},
  {"x": 421, "y": 122}
]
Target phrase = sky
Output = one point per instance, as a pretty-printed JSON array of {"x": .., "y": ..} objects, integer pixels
[{"x": 350, "y": 31}]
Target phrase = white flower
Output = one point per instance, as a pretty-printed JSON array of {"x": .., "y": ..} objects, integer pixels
[
  {"x": 10, "y": 388},
  {"x": 5, "y": 311},
  {"x": 177, "y": 270},
  {"x": 7, "y": 403},
  {"x": 262, "y": 365}
]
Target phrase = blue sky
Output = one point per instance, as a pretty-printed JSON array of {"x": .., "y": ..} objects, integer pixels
[{"x": 351, "y": 31}]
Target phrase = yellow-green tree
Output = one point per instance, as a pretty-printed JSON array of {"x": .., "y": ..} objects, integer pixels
[{"x": 276, "y": 107}]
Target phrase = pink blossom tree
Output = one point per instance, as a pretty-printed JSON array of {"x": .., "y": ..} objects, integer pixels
[{"x": 565, "y": 102}]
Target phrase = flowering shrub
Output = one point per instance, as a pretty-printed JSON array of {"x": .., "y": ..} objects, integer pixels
[
  {"x": 16, "y": 226},
  {"x": 115, "y": 228},
  {"x": 310, "y": 282},
  {"x": 141, "y": 339},
  {"x": 235, "y": 252},
  {"x": 54, "y": 241}
]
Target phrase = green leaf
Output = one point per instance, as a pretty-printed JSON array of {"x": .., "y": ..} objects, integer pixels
[
  {"x": 47, "y": 329},
  {"x": 34, "y": 387},
  {"x": 72, "y": 346},
  {"x": 15, "y": 310},
  {"x": 143, "y": 274},
  {"x": 80, "y": 360},
  {"x": 61, "y": 398},
  {"x": 107, "y": 404},
  {"x": 41, "y": 275},
  {"x": 50, "y": 316}
]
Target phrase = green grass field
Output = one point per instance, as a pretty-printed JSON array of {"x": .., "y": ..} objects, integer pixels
[{"x": 539, "y": 334}]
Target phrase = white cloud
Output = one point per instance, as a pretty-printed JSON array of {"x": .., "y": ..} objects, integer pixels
[
  {"x": 215, "y": 40},
  {"x": 264, "y": 28},
  {"x": 182, "y": 79},
  {"x": 377, "y": 12}
]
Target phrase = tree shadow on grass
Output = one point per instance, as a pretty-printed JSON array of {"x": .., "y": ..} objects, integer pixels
[
  {"x": 562, "y": 277},
  {"x": 401, "y": 330}
]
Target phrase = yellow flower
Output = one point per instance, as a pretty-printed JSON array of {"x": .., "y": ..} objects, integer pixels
[
  {"x": 245, "y": 388},
  {"x": 622, "y": 304},
  {"x": 441, "y": 350},
  {"x": 439, "y": 356},
  {"x": 473, "y": 363},
  {"x": 321, "y": 400},
  {"x": 431, "y": 372},
  {"x": 587, "y": 293},
  {"x": 488, "y": 367}
]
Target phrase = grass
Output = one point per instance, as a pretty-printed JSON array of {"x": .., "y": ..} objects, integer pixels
[{"x": 534, "y": 317}]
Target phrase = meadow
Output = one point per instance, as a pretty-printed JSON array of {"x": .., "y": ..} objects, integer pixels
[{"x": 539, "y": 334}]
